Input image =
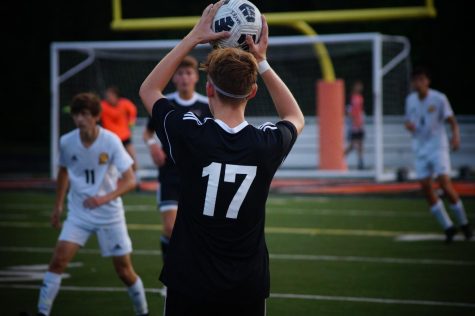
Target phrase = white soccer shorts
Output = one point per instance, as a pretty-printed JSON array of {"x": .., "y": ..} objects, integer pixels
[
  {"x": 435, "y": 164},
  {"x": 113, "y": 239}
]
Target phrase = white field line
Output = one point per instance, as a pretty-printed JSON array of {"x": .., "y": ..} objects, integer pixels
[
  {"x": 371, "y": 259},
  {"x": 347, "y": 212},
  {"x": 290, "y": 257},
  {"x": 32, "y": 272},
  {"x": 277, "y": 210},
  {"x": 370, "y": 300},
  {"x": 81, "y": 251},
  {"x": 272, "y": 295},
  {"x": 269, "y": 230},
  {"x": 286, "y": 199},
  {"x": 428, "y": 237}
]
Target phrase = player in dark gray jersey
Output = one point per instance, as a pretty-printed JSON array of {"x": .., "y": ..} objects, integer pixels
[{"x": 218, "y": 262}]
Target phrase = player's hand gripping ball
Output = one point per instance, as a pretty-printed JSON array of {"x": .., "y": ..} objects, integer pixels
[{"x": 239, "y": 18}]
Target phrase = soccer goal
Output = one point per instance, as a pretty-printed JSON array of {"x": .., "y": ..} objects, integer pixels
[{"x": 381, "y": 62}]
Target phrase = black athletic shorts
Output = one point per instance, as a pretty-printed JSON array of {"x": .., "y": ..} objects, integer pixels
[
  {"x": 357, "y": 135},
  {"x": 177, "y": 304},
  {"x": 126, "y": 142},
  {"x": 169, "y": 188}
]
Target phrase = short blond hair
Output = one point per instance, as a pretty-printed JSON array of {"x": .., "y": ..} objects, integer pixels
[{"x": 232, "y": 70}]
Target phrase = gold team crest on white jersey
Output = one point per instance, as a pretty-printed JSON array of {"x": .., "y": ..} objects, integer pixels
[
  {"x": 103, "y": 158},
  {"x": 431, "y": 108}
]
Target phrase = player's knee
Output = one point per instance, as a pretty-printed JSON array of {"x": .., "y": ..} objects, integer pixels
[
  {"x": 450, "y": 192},
  {"x": 168, "y": 221},
  {"x": 168, "y": 229},
  {"x": 446, "y": 185}
]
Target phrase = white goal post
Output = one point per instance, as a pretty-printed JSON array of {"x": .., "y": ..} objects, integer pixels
[{"x": 287, "y": 47}]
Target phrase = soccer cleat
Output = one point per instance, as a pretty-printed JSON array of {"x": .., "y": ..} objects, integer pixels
[
  {"x": 450, "y": 233},
  {"x": 467, "y": 231}
]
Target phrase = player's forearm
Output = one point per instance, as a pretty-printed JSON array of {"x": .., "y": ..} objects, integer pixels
[
  {"x": 157, "y": 80},
  {"x": 285, "y": 103},
  {"x": 147, "y": 134},
  {"x": 62, "y": 184},
  {"x": 153, "y": 86},
  {"x": 124, "y": 185},
  {"x": 454, "y": 127}
]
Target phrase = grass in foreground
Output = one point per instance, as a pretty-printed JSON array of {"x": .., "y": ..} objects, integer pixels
[{"x": 329, "y": 256}]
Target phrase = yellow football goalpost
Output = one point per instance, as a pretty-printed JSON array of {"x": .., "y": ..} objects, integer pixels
[
  {"x": 297, "y": 20},
  {"x": 330, "y": 90}
]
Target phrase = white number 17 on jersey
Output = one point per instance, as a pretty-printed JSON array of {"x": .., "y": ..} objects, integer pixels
[{"x": 213, "y": 171}]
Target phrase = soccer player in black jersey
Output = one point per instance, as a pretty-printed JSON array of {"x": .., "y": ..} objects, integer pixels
[
  {"x": 218, "y": 263},
  {"x": 185, "y": 99}
]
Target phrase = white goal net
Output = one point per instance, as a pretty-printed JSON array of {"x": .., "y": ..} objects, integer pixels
[{"x": 381, "y": 62}]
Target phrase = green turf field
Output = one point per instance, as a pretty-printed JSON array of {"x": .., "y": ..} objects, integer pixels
[{"x": 329, "y": 256}]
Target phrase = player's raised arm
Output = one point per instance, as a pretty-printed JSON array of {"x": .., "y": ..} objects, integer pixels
[
  {"x": 285, "y": 103},
  {"x": 152, "y": 88},
  {"x": 62, "y": 184}
]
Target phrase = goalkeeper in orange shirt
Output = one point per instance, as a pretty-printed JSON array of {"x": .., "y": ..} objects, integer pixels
[{"x": 119, "y": 115}]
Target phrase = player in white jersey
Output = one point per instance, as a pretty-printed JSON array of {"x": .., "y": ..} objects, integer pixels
[
  {"x": 98, "y": 170},
  {"x": 427, "y": 110}
]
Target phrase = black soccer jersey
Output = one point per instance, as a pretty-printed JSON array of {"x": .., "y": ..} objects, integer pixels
[
  {"x": 218, "y": 250},
  {"x": 198, "y": 105}
]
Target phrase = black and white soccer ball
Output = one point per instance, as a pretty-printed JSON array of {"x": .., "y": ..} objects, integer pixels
[{"x": 240, "y": 18}]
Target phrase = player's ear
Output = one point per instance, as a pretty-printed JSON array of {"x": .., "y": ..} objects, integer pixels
[
  {"x": 253, "y": 92},
  {"x": 210, "y": 92}
]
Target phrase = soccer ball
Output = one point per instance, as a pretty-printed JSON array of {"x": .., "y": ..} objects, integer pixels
[{"x": 240, "y": 18}]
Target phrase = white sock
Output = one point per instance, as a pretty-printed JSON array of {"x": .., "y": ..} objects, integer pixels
[
  {"x": 137, "y": 294},
  {"x": 438, "y": 209},
  {"x": 459, "y": 212},
  {"x": 48, "y": 292}
]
